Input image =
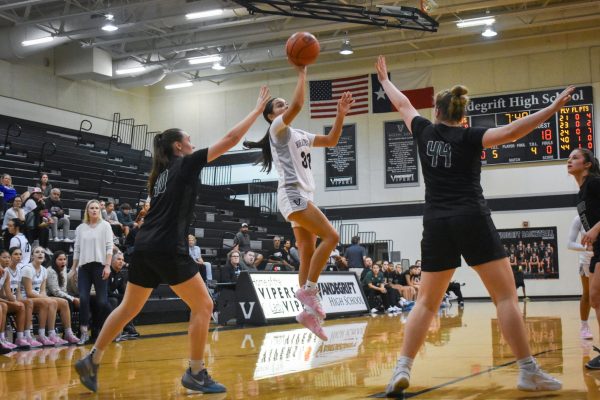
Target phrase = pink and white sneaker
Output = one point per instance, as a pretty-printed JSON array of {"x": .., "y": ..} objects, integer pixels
[
  {"x": 45, "y": 341},
  {"x": 313, "y": 324},
  {"x": 586, "y": 333},
  {"x": 22, "y": 344},
  {"x": 310, "y": 299},
  {"x": 4, "y": 349},
  {"x": 58, "y": 341},
  {"x": 71, "y": 339},
  {"x": 8, "y": 345},
  {"x": 33, "y": 343}
]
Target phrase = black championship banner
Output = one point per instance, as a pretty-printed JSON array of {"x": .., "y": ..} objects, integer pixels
[
  {"x": 532, "y": 251},
  {"x": 401, "y": 156},
  {"x": 268, "y": 297},
  {"x": 340, "y": 161}
]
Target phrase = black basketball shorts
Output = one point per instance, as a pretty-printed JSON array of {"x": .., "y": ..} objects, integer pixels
[
  {"x": 446, "y": 239},
  {"x": 596, "y": 257},
  {"x": 149, "y": 268}
]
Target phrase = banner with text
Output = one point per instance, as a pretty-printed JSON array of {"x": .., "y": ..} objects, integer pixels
[
  {"x": 340, "y": 161},
  {"x": 401, "y": 156}
]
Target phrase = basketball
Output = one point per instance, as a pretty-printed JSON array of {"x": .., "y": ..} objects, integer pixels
[{"x": 302, "y": 48}]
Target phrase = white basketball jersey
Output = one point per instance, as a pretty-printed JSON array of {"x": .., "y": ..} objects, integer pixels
[
  {"x": 15, "y": 280},
  {"x": 37, "y": 278},
  {"x": 290, "y": 148},
  {"x": 21, "y": 242}
]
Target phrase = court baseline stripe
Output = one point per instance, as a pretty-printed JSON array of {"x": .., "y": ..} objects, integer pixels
[{"x": 431, "y": 389}]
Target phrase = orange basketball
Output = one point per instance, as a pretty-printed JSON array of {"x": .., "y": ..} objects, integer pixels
[{"x": 302, "y": 48}]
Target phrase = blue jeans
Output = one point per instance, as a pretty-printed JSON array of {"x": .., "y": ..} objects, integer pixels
[{"x": 89, "y": 274}]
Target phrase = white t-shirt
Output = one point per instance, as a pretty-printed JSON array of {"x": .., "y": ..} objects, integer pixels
[
  {"x": 93, "y": 244},
  {"x": 290, "y": 148},
  {"x": 585, "y": 256},
  {"x": 15, "y": 280},
  {"x": 37, "y": 278},
  {"x": 21, "y": 241}
]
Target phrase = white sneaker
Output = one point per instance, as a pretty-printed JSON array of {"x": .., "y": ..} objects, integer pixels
[
  {"x": 536, "y": 380},
  {"x": 399, "y": 382},
  {"x": 586, "y": 333},
  {"x": 374, "y": 310}
]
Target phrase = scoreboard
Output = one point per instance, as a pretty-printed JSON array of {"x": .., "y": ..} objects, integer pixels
[{"x": 570, "y": 128}]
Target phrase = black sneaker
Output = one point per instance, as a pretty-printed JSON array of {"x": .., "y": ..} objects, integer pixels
[
  {"x": 88, "y": 372},
  {"x": 201, "y": 382},
  {"x": 595, "y": 362}
]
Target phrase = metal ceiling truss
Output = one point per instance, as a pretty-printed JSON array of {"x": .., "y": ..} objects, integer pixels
[{"x": 385, "y": 17}]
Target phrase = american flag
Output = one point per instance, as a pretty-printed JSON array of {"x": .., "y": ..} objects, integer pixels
[{"x": 324, "y": 96}]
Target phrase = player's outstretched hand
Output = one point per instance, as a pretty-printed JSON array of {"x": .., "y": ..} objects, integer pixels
[
  {"x": 381, "y": 68},
  {"x": 263, "y": 97},
  {"x": 345, "y": 103},
  {"x": 563, "y": 98}
]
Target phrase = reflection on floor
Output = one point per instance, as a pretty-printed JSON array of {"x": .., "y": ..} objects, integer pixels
[{"x": 464, "y": 357}]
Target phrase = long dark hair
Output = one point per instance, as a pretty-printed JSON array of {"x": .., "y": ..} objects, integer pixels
[
  {"x": 61, "y": 279},
  {"x": 264, "y": 144},
  {"x": 589, "y": 158},
  {"x": 452, "y": 103},
  {"x": 163, "y": 152}
]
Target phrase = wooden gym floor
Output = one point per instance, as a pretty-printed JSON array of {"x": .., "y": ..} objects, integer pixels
[{"x": 464, "y": 358}]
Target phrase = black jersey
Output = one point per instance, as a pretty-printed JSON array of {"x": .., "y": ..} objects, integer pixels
[
  {"x": 166, "y": 225},
  {"x": 588, "y": 202},
  {"x": 451, "y": 161}
]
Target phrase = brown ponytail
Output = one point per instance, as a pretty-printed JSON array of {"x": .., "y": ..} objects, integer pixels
[
  {"x": 163, "y": 152},
  {"x": 452, "y": 103},
  {"x": 264, "y": 144},
  {"x": 589, "y": 158}
]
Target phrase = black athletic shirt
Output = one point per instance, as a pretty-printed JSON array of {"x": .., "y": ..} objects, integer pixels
[
  {"x": 451, "y": 161},
  {"x": 166, "y": 225},
  {"x": 588, "y": 202}
]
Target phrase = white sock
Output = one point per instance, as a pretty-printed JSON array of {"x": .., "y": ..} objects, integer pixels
[
  {"x": 96, "y": 355},
  {"x": 406, "y": 362},
  {"x": 41, "y": 332},
  {"x": 310, "y": 285},
  {"x": 196, "y": 366},
  {"x": 51, "y": 333},
  {"x": 584, "y": 324},
  {"x": 68, "y": 332},
  {"x": 19, "y": 335},
  {"x": 2, "y": 337},
  {"x": 527, "y": 363},
  {"x": 28, "y": 333}
]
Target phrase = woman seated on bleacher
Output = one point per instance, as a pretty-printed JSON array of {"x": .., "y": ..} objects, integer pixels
[
  {"x": 44, "y": 185},
  {"x": 7, "y": 307},
  {"x": 196, "y": 254},
  {"x": 374, "y": 285},
  {"x": 56, "y": 285},
  {"x": 16, "y": 211},
  {"x": 110, "y": 216},
  {"x": 7, "y": 190},
  {"x": 33, "y": 286},
  {"x": 232, "y": 268},
  {"x": 12, "y": 293}
]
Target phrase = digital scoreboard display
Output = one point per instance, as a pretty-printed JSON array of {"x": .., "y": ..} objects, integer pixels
[{"x": 570, "y": 128}]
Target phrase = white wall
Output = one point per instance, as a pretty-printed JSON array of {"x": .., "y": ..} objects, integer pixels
[{"x": 30, "y": 90}]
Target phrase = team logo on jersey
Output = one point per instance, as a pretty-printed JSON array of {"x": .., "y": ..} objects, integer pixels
[
  {"x": 297, "y": 201},
  {"x": 160, "y": 186}
]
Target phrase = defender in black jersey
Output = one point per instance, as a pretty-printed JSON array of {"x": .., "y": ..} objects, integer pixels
[
  {"x": 161, "y": 248},
  {"x": 586, "y": 170},
  {"x": 457, "y": 222}
]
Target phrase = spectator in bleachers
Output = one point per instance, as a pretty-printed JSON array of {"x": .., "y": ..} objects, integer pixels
[
  {"x": 12, "y": 293},
  {"x": 356, "y": 254},
  {"x": 15, "y": 227},
  {"x": 278, "y": 256},
  {"x": 8, "y": 307},
  {"x": 248, "y": 259},
  {"x": 60, "y": 220},
  {"x": 44, "y": 185},
  {"x": 7, "y": 189},
  {"x": 398, "y": 281},
  {"x": 117, "y": 282},
  {"x": 37, "y": 218},
  {"x": 110, "y": 216},
  {"x": 57, "y": 280},
  {"x": 196, "y": 254},
  {"x": 33, "y": 283},
  {"x": 335, "y": 253},
  {"x": 130, "y": 239},
  {"x": 287, "y": 246},
  {"x": 241, "y": 243},
  {"x": 294, "y": 255},
  {"x": 126, "y": 218},
  {"x": 92, "y": 258},
  {"x": 374, "y": 286},
  {"x": 413, "y": 277},
  {"x": 144, "y": 210},
  {"x": 232, "y": 268},
  {"x": 368, "y": 266},
  {"x": 16, "y": 211}
]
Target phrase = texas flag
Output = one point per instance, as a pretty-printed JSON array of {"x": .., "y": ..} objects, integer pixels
[{"x": 415, "y": 84}]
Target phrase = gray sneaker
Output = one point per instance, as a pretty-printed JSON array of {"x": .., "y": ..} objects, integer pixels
[
  {"x": 400, "y": 381},
  {"x": 594, "y": 363},
  {"x": 201, "y": 382},
  {"x": 88, "y": 372},
  {"x": 537, "y": 380}
]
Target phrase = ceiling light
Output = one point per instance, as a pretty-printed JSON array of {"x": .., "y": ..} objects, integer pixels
[
  {"x": 466, "y": 23},
  {"x": 205, "y": 59},
  {"x": 178, "y": 85},
  {"x": 32, "y": 42},
  {"x": 130, "y": 71},
  {"x": 346, "y": 48},
  {"x": 109, "y": 27},
  {"x": 204, "y": 14},
  {"x": 218, "y": 66},
  {"x": 489, "y": 32}
]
